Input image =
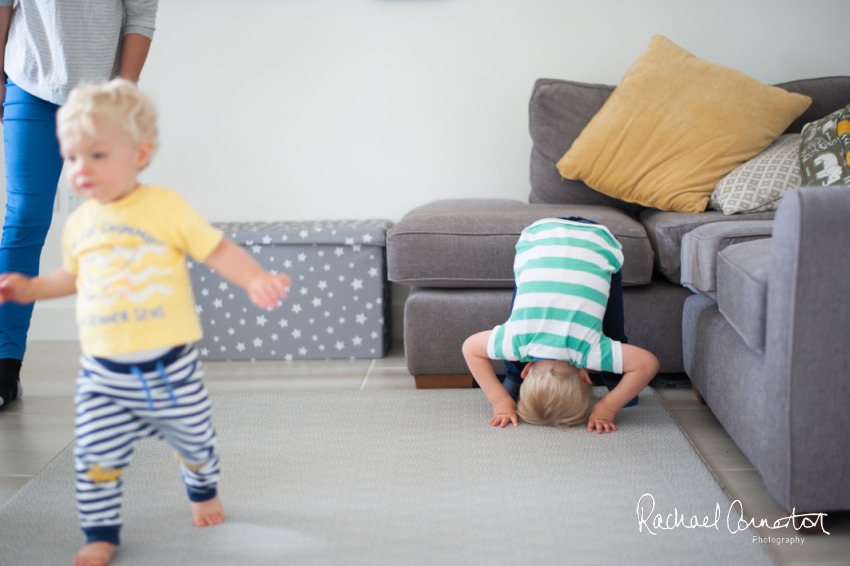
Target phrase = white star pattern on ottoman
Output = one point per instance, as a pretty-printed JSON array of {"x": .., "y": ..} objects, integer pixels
[{"x": 338, "y": 303}]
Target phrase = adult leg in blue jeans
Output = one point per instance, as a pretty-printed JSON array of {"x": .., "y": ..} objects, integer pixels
[
  {"x": 613, "y": 326},
  {"x": 33, "y": 165}
]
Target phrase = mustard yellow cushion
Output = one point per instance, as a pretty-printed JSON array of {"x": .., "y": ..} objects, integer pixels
[{"x": 674, "y": 127}]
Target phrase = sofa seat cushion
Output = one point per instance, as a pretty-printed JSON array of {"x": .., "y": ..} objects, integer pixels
[
  {"x": 666, "y": 229},
  {"x": 701, "y": 246},
  {"x": 742, "y": 276},
  {"x": 470, "y": 243}
]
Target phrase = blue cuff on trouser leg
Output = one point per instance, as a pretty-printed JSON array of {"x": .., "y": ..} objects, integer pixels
[
  {"x": 197, "y": 495},
  {"x": 102, "y": 534}
]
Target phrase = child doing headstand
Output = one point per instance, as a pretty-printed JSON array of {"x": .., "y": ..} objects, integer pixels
[
  {"x": 124, "y": 255},
  {"x": 563, "y": 269}
]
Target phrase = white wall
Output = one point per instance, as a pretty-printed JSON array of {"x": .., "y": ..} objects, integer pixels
[{"x": 302, "y": 109}]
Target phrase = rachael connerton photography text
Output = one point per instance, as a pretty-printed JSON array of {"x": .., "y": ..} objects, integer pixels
[{"x": 735, "y": 522}]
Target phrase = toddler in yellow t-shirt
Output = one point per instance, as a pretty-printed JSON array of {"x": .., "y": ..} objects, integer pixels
[{"x": 124, "y": 256}]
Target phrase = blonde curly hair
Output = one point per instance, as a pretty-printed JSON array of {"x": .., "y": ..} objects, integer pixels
[
  {"x": 118, "y": 100},
  {"x": 554, "y": 398}
]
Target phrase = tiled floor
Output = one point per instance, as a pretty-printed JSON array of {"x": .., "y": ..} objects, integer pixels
[{"x": 36, "y": 428}]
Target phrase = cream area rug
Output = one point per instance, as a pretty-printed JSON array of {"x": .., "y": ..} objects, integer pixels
[{"x": 404, "y": 478}]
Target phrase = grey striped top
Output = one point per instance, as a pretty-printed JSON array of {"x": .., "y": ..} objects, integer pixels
[
  {"x": 563, "y": 275},
  {"x": 55, "y": 45}
]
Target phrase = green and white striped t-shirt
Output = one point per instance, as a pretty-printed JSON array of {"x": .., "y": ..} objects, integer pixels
[{"x": 563, "y": 275}]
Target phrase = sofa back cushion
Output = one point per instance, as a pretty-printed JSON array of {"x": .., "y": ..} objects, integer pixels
[
  {"x": 559, "y": 111},
  {"x": 828, "y": 94}
]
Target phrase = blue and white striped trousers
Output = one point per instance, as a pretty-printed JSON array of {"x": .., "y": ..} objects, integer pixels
[{"x": 117, "y": 405}]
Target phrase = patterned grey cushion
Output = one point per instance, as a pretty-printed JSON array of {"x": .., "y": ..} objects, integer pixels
[{"x": 758, "y": 184}]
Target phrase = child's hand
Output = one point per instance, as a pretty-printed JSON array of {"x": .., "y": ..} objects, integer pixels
[
  {"x": 15, "y": 287},
  {"x": 504, "y": 413},
  {"x": 266, "y": 290},
  {"x": 601, "y": 419}
]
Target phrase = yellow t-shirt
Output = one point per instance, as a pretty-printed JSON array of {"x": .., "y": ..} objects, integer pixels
[{"x": 133, "y": 287}]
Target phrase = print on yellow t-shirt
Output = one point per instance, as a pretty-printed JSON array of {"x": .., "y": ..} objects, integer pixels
[{"x": 133, "y": 286}]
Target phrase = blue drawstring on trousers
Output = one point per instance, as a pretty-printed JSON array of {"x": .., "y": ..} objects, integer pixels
[
  {"x": 161, "y": 369},
  {"x": 162, "y": 373},
  {"x": 138, "y": 373}
]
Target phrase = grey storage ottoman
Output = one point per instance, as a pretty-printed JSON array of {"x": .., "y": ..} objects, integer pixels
[{"x": 338, "y": 306}]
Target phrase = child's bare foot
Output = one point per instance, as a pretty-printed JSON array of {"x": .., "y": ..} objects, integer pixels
[
  {"x": 95, "y": 554},
  {"x": 209, "y": 512}
]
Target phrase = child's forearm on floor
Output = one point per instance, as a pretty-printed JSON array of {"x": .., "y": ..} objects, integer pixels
[
  {"x": 482, "y": 372},
  {"x": 630, "y": 385},
  {"x": 475, "y": 353},
  {"x": 639, "y": 367}
]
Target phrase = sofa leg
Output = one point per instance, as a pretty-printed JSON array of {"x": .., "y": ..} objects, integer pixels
[
  {"x": 444, "y": 381},
  {"x": 697, "y": 394}
]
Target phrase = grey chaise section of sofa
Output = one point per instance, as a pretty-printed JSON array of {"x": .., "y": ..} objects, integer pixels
[
  {"x": 458, "y": 257},
  {"x": 775, "y": 368}
]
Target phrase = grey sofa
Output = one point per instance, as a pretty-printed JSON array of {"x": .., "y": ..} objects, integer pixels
[
  {"x": 457, "y": 255},
  {"x": 767, "y": 346}
]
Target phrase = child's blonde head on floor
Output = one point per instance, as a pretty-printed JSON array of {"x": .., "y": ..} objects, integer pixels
[
  {"x": 555, "y": 396},
  {"x": 118, "y": 101}
]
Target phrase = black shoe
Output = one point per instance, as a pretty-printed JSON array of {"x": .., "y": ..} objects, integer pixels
[
  {"x": 677, "y": 380},
  {"x": 10, "y": 380}
]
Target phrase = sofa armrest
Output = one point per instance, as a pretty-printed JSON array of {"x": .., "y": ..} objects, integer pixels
[
  {"x": 807, "y": 349},
  {"x": 701, "y": 246}
]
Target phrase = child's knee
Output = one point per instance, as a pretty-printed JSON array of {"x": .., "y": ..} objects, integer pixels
[
  {"x": 467, "y": 347},
  {"x": 102, "y": 474}
]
